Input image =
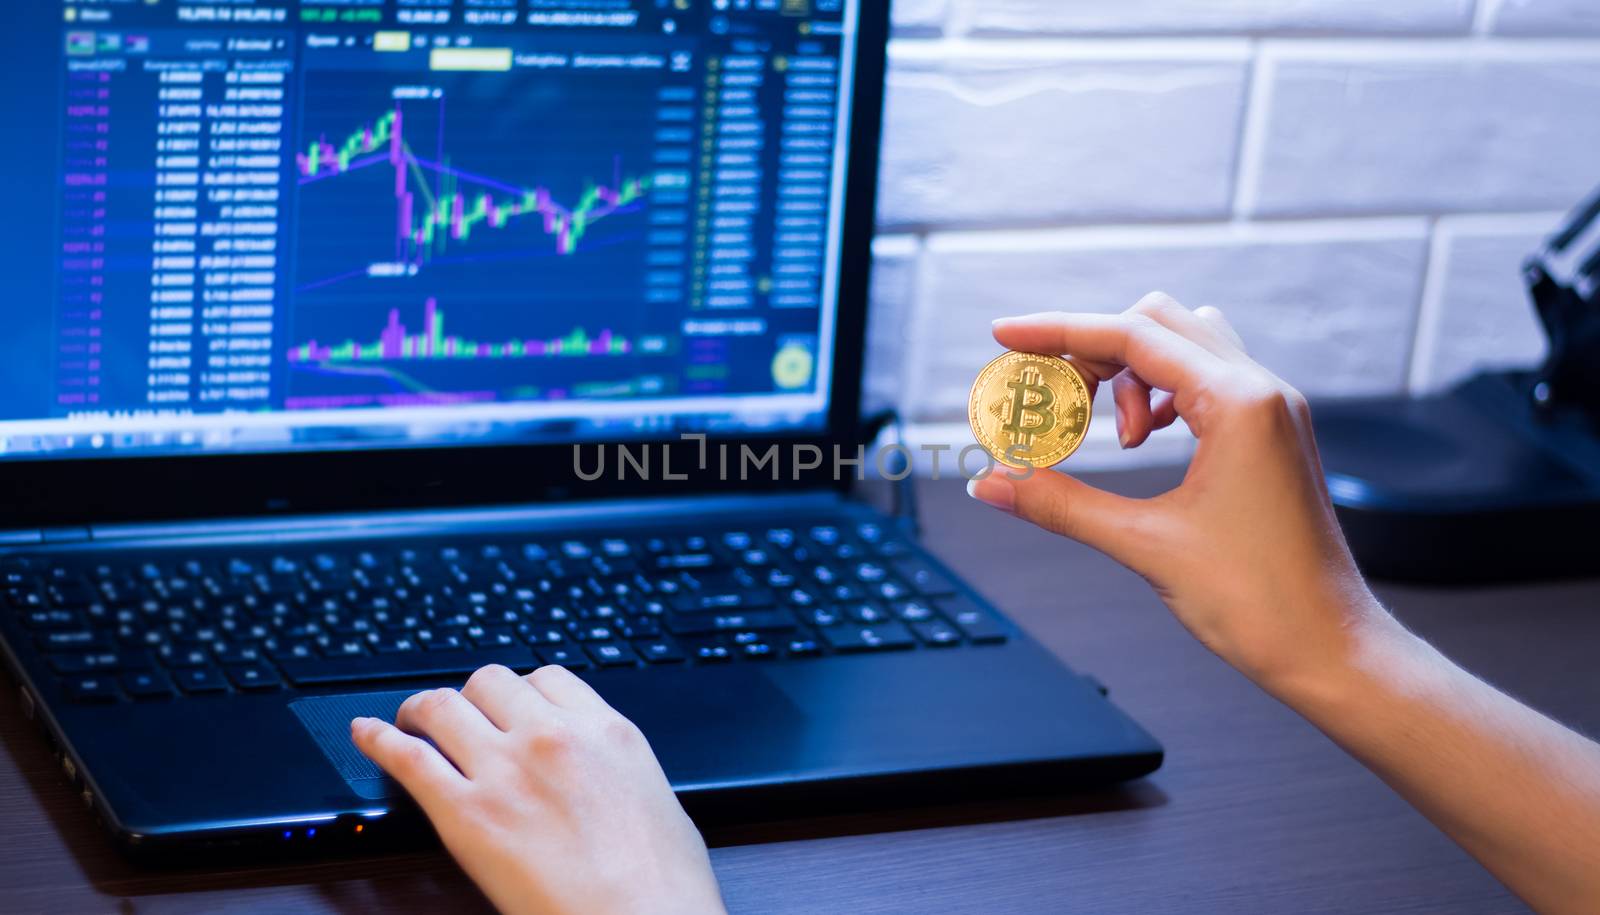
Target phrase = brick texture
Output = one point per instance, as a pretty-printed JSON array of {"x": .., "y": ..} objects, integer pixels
[
  {"x": 1353, "y": 181},
  {"x": 983, "y": 139},
  {"x": 1559, "y": 18},
  {"x": 1479, "y": 316},
  {"x": 894, "y": 266},
  {"x": 1429, "y": 134},
  {"x": 918, "y": 15},
  {"x": 1122, "y": 17},
  {"x": 1329, "y": 310}
]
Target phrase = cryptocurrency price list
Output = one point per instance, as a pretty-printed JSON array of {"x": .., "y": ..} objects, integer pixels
[{"x": 172, "y": 197}]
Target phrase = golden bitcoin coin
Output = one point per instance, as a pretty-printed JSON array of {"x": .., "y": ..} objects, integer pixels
[{"x": 1029, "y": 410}]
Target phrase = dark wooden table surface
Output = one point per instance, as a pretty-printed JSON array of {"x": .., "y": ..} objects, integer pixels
[{"x": 1254, "y": 811}]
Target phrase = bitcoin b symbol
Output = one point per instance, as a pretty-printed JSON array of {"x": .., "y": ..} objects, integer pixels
[
  {"x": 1032, "y": 404},
  {"x": 1029, "y": 410}
]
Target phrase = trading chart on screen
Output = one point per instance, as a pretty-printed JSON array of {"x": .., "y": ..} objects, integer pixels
[{"x": 330, "y": 215}]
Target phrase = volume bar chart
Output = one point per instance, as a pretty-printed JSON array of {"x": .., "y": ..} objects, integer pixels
[{"x": 396, "y": 343}]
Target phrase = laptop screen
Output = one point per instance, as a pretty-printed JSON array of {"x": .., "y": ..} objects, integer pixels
[{"x": 334, "y": 224}]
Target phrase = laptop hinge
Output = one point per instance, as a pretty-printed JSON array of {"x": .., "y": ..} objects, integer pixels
[
  {"x": 379, "y": 524},
  {"x": 65, "y": 535},
  {"x": 21, "y": 538}
]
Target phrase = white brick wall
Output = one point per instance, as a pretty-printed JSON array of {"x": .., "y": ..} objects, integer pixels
[
  {"x": 1152, "y": 17},
  {"x": 894, "y": 289},
  {"x": 1015, "y": 133},
  {"x": 1541, "y": 17},
  {"x": 1354, "y": 181},
  {"x": 1445, "y": 127},
  {"x": 1300, "y": 294},
  {"x": 915, "y": 15},
  {"x": 1464, "y": 324}
]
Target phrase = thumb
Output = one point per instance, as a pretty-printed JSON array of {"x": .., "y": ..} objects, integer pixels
[{"x": 1113, "y": 524}]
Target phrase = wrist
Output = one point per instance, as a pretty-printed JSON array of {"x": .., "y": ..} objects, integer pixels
[
  {"x": 677, "y": 888},
  {"x": 1366, "y": 645}
]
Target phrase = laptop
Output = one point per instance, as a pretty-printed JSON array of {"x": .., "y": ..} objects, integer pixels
[{"x": 352, "y": 346}]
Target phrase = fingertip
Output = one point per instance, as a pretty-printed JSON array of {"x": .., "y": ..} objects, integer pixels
[
  {"x": 1020, "y": 320},
  {"x": 1132, "y": 399},
  {"x": 364, "y": 729},
  {"x": 1063, "y": 504},
  {"x": 1218, "y": 321},
  {"x": 547, "y": 671},
  {"x": 1014, "y": 330},
  {"x": 994, "y": 491}
]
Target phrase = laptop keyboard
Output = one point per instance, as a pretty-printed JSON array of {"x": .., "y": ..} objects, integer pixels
[{"x": 162, "y": 624}]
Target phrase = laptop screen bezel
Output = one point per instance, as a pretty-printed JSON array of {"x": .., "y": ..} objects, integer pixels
[{"x": 54, "y": 493}]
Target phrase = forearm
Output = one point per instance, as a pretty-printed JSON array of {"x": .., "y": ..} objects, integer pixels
[
  {"x": 1248, "y": 554},
  {"x": 1518, "y": 791}
]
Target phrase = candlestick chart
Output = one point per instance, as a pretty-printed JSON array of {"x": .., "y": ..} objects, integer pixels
[
  {"x": 527, "y": 206},
  {"x": 453, "y": 201}
]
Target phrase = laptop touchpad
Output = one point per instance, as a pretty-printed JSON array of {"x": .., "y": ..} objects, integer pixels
[
  {"x": 328, "y": 719},
  {"x": 702, "y": 723}
]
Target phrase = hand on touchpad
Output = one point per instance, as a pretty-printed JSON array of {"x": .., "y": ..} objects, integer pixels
[{"x": 328, "y": 719}]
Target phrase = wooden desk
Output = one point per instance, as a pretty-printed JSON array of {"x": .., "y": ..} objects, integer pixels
[{"x": 1254, "y": 810}]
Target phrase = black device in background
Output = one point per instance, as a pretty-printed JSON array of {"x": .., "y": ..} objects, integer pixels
[
  {"x": 1499, "y": 478},
  {"x": 320, "y": 300}
]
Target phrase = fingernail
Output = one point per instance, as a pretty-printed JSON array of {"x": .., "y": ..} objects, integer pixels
[
  {"x": 998, "y": 323},
  {"x": 1124, "y": 438},
  {"x": 994, "y": 491}
]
